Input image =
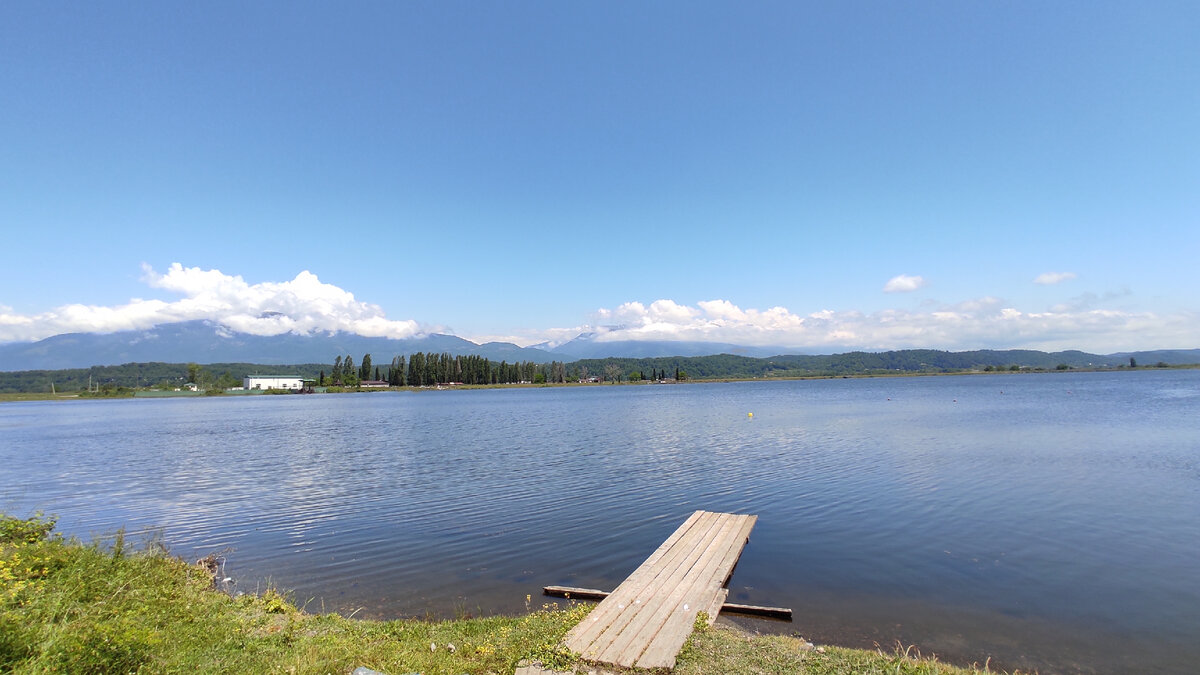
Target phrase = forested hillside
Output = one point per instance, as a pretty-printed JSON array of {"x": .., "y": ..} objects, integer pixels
[{"x": 163, "y": 375}]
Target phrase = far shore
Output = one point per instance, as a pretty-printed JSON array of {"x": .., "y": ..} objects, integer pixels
[{"x": 156, "y": 393}]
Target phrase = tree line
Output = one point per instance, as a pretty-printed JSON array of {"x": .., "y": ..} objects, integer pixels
[
  {"x": 426, "y": 369},
  {"x": 423, "y": 369}
]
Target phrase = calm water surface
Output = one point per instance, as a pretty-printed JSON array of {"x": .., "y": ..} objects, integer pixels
[{"x": 1046, "y": 521}]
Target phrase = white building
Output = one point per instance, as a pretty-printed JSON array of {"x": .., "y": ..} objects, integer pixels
[{"x": 273, "y": 382}]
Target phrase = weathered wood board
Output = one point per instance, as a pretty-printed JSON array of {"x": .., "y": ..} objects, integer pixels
[
  {"x": 574, "y": 592},
  {"x": 646, "y": 620}
]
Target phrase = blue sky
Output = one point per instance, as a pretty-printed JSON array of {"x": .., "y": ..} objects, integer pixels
[{"x": 823, "y": 177}]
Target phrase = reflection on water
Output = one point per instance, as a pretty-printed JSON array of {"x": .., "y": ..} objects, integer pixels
[{"x": 1047, "y": 521}]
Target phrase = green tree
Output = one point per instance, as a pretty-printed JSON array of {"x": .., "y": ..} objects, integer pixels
[
  {"x": 193, "y": 373},
  {"x": 613, "y": 372},
  {"x": 227, "y": 381},
  {"x": 349, "y": 372},
  {"x": 364, "y": 371},
  {"x": 416, "y": 369},
  {"x": 1132, "y": 362},
  {"x": 399, "y": 367}
]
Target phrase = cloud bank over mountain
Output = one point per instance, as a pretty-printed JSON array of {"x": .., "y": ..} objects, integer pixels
[
  {"x": 983, "y": 323},
  {"x": 305, "y": 305},
  {"x": 302, "y": 305}
]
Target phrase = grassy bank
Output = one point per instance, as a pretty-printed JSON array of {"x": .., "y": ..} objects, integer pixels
[{"x": 71, "y": 607}]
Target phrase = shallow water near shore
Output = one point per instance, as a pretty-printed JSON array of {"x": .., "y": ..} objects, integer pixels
[{"x": 1048, "y": 521}]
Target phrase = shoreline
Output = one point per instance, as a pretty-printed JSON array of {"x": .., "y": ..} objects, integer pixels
[
  {"x": 68, "y": 606},
  {"x": 9, "y": 397}
]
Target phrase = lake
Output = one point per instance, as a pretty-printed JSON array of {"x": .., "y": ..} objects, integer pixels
[{"x": 1047, "y": 521}]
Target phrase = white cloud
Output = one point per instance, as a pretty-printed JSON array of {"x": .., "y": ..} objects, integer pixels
[
  {"x": 302, "y": 305},
  {"x": 1051, "y": 278},
  {"x": 305, "y": 304},
  {"x": 903, "y": 283},
  {"x": 986, "y": 322}
]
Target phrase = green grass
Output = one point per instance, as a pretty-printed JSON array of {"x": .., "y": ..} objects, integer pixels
[
  {"x": 716, "y": 651},
  {"x": 66, "y": 606}
]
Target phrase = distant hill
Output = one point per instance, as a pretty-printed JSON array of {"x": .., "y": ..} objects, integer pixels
[
  {"x": 860, "y": 363},
  {"x": 205, "y": 342},
  {"x": 142, "y": 375}
]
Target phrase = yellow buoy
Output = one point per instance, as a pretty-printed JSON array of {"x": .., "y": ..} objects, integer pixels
[{"x": 749, "y": 414}]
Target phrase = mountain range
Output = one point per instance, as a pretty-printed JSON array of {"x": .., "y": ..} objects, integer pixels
[{"x": 207, "y": 342}]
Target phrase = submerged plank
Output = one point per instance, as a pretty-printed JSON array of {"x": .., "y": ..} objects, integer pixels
[{"x": 782, "y": 613}]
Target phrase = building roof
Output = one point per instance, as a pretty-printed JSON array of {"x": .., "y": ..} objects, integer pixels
[{"x": 277, "y": 377}]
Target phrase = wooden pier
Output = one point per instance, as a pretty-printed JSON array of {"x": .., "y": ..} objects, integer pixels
[{"x": 646, "y": 620}]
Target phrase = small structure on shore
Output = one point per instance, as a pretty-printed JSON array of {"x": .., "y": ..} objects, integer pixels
[{"x": 291, "y": 382}]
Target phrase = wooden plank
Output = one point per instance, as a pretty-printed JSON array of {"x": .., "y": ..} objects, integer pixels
[
  {"x": 664, "y": 646},
  {"x": 676, "y": 590},
  {"x": 576, "y": 593},
  {"x": 783, "y": 613},
  {"x": 715, "y": 608},
  {"x": 630, "y": 606},
  {"x": 581, "y": 637},
  {"x": 683, "y": 589},
  {"x": 649, "y": 616},
  {"x": 661, "y": 651},
  {"x": 587, "y": 631}
]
